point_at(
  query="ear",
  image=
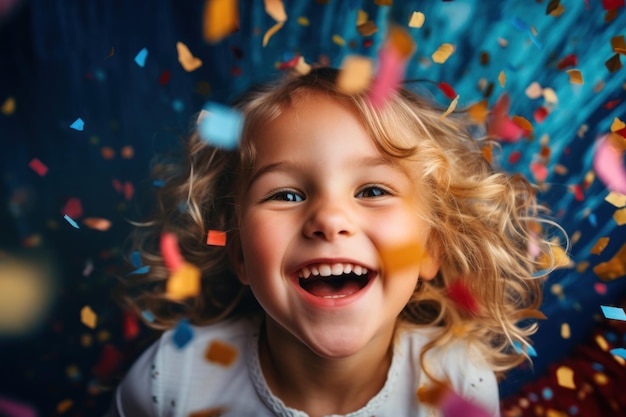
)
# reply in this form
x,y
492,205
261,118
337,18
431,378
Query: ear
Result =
x,y
430,265
235,254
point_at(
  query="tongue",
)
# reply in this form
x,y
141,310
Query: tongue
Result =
x,y
332,288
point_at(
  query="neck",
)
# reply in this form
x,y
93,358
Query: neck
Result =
x,y
321,386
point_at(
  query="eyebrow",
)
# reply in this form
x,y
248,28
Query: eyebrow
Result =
x,y
285,166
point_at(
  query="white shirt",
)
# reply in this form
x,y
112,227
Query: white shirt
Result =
x,y
167,381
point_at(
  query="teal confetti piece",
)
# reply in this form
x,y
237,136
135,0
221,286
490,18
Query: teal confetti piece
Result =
x,y
529,349
71,221
139,271
141,56
78,124
614,313
148,315
621,352
182,334
221,127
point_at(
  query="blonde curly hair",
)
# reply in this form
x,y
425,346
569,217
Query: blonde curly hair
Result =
x,y
483,221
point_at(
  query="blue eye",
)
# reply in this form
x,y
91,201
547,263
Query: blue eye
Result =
x,y
371,192
288,196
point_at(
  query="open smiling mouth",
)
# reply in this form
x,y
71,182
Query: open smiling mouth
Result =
x,y
333,280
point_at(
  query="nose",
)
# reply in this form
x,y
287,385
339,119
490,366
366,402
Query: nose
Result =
x,y
328,221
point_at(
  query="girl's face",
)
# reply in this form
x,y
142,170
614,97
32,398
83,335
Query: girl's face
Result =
x,y
321,218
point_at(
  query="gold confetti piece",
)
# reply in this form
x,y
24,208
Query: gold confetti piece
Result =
x,y
549,95
582,267
97,223
614,267
86,340
64,405
600,245
620,216
560,9
450,108
502,79
88,317
561,259
575,76
221,353
270,32
276,9
479,111
528,313
617,125
565,331
383,2
367,29
616,199
8,107
212,412
613,64
303,21
186,59
557,289
618,44
600,379
522,122
183,283
534,90
361,17
302,67
355,74
442,53
602,343
565,377
417,20
220,19
338,40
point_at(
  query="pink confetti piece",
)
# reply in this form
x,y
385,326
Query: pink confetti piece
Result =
x,y
500,124
608,165
170,252
539,171
12,408
38,166
390,73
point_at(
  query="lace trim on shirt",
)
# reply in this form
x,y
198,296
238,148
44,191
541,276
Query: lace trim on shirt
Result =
x,y
279,408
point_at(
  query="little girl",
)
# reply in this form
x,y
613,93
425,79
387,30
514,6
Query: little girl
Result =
x,y
374,261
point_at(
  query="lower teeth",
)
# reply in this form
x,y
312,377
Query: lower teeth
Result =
x,y
333,296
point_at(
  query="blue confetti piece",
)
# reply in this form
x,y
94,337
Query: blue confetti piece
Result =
x,y
71,221
596,366
221,127
142,270
529,349
519,24
141,56
182,334
614,313
533,397
547,393
621,352
135,259
78,124
148,315
178,106
593,220
533,38
573,410
158,183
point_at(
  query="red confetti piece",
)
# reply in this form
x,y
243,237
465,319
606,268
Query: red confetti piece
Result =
x,y
164,78
289,64
539,171
38,166
578,193
611,104
462,297
73,208
130,325
612,4
216,238
600,288
109,360
170,252
570,60
117,185
129,190
515,157
540,114
447,90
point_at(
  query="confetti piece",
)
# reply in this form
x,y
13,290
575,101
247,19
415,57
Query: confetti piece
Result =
x,y
130,325
614,267
13,408
170,252
570,60
523,123
71,221
129,190
500,126
8,107
447,90
391,66
183,282
303,21
221,126
78,124
540,114
216,238
616,199
220,19
88,269
276,9
575,76
552,6
450,108
221,353
565,331
620,216
368,28
417,20
139,271
88,317
108,362
39,167
621,352
614,313
97,223
608,165
183,333
600,245
534,90
338,40
64,405
107,153
617,125
502,79
613,64
383,2
73,208
462,297
355,74
612,4
528,349
442,53
270,32
479,111
140,58
187,60
127,152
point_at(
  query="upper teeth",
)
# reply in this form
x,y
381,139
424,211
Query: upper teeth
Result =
x,y
326,270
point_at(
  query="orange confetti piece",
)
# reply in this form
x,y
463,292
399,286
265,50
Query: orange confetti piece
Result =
x,y
88,317
620,217
127,152
442,53
8,107
479,111
618,44
617,125
276,9
614,267
185,57
368,28
270,32
220,19
523,123
565,377
221,353
64,405
575,76
107,153
400,40
216,238
502,79
600,245
170,252
417,20
450,108
97,223
355,74
184,282
383,2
